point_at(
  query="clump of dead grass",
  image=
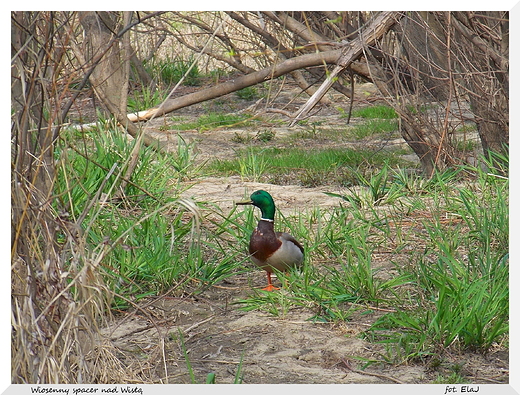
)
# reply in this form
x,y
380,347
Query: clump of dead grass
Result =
x,y
59,301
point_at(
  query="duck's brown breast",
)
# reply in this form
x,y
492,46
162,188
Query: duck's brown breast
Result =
x,y
263,242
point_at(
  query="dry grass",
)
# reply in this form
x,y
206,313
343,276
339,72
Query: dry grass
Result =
x,y
58,304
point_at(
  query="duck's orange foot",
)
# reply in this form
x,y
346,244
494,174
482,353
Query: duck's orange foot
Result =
x,y
270,288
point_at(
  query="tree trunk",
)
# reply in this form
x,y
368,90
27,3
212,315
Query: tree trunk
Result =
x,y
488,56
449,65
108,75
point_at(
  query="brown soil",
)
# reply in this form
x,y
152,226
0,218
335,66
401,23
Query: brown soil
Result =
x,y
274,350
286,349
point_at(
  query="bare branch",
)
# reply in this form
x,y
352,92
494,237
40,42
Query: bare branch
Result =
x,y
378,26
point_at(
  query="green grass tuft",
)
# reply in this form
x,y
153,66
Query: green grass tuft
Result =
x,y
147,239
375,112
248,93
215,120
172,70
373,127
317,167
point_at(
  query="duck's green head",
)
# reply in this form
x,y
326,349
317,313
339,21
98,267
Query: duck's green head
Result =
x,y
264,202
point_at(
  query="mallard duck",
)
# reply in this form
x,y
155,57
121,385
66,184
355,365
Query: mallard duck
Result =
x,y
271,250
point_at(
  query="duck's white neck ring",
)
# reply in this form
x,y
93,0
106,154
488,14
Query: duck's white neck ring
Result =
x,y
267,219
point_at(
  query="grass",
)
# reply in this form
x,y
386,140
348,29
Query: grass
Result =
x,y
443,280
183,160
453,378
450,294
214,120
378,119
459,281
377,189
171,70
151,238
373,127
248,93
317,167
375,112
146,98
252,166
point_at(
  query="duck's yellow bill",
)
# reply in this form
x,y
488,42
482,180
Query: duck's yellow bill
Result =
x,y
244,203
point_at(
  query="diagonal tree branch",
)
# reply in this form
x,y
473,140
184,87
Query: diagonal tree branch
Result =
x,y
376,28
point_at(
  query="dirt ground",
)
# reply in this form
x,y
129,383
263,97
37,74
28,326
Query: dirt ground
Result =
x,y
273,350
289,349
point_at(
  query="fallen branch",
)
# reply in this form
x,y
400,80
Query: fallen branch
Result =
x,y
308,60
381,376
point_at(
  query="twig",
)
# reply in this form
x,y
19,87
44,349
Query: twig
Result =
x,y
382,376
375,308
163,354
491,380
157,324
143,328
199,323
351,94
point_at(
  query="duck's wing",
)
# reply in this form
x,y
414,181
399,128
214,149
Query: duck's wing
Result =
x,y
288,237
